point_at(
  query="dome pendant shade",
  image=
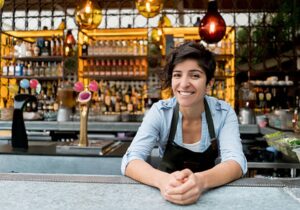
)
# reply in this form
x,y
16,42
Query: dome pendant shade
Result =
x,y
212,27
149,8
1,3
88,14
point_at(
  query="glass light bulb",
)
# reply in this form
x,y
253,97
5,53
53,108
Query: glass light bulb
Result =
x,y
212,27
149,8
88,14
1,3
156,36
164,21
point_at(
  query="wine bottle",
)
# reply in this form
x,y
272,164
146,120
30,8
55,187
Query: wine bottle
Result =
x,y
296,120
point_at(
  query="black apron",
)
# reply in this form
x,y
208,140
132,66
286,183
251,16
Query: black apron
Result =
x,y
178,158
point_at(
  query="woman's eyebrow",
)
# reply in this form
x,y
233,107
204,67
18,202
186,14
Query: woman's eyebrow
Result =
x,y
176,70
196,70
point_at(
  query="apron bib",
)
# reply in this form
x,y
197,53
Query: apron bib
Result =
x,y
178,158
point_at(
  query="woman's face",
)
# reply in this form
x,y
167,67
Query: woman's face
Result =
x,y
189,83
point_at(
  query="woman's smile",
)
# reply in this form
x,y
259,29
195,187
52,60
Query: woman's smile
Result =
x,y
186,93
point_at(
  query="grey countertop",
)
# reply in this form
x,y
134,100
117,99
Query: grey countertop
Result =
x,y
99,126
36,191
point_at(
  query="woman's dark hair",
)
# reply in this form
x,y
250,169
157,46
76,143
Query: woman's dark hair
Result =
x,y
189,50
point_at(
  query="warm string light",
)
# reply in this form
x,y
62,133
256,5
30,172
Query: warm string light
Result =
x,y
149,8
70,42
212,27
88,14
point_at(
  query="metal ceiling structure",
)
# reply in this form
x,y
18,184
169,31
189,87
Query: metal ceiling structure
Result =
x,y
224,5
271,29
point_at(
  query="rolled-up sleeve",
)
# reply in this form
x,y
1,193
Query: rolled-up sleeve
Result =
x,y
145,138
230,141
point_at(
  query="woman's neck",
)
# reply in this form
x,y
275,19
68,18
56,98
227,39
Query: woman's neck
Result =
x,y
192,113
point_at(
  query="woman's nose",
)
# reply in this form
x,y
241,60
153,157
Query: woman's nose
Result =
x,y
184,82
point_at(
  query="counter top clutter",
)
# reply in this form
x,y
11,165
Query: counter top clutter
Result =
x,y
118,192
287,143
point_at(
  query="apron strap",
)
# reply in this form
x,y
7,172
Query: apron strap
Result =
x,y
211,128
173,125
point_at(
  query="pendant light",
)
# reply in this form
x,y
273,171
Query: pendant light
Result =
x,y
149,8
212,27
164,21
1,3
69,44
88,14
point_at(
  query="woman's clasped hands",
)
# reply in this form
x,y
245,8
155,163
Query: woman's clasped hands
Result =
x,y
182,187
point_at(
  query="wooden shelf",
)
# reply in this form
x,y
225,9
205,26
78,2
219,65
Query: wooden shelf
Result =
x,y
32,77
273,86
224,77
31,36
35,58
134,78
98,57
7,57
221,57
117,34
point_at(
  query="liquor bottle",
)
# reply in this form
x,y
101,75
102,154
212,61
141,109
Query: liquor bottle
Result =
x,y
18,71
46,48
48,72
29,69
42,69
108,68
91,68
85,47
5,69
11,69
114,68
296,120
103,68
119,67
53,46
97,68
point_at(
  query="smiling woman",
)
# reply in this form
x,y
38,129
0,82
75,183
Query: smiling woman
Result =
x,y
198,136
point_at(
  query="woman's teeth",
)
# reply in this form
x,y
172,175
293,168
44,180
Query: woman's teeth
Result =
x,y
184,93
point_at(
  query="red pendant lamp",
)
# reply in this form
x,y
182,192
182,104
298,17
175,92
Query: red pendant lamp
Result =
x,y
212,27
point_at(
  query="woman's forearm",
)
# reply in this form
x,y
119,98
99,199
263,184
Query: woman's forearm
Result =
x,y
143,172
221,174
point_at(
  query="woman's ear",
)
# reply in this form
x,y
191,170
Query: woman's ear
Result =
x,y
210,85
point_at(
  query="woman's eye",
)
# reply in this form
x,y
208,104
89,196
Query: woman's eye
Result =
x,y
195,76
176,75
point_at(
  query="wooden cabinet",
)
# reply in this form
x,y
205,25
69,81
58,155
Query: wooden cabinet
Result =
x,y
113,54
30,55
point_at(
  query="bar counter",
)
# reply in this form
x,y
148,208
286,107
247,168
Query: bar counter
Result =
x,y
37,191
98,126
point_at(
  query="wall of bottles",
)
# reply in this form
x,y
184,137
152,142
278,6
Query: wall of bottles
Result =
x,y
126,68
115,47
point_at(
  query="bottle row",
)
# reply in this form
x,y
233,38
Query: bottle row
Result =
x,y
224,46
38,69
115,47
218,90
115,67
265,100
42,47
112,97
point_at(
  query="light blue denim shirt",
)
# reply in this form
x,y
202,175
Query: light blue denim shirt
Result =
x,y
155,129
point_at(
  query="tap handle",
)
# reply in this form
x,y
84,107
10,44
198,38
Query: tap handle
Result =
x,y
18,137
